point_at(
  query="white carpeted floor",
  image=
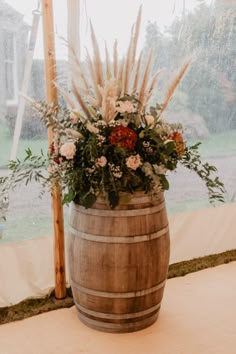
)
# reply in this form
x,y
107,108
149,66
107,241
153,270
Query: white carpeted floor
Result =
x,y
198,316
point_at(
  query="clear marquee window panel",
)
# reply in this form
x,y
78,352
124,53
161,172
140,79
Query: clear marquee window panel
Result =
x,y
9,60
8,39
204,103
9,80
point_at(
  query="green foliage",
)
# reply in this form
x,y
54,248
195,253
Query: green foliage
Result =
x,y
93,158
31,168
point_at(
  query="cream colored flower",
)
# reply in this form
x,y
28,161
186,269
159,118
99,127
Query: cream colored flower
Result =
x,y
141,134
150,120
160,169
109,93
133,161
168,141
91,128
147,169
157,187
68,150
125,106
73,133
101,161
73,117
123,122
118,174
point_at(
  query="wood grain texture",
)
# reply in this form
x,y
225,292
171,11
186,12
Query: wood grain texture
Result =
x,y
118,264
51,93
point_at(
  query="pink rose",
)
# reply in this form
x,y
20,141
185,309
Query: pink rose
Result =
x,y
68,150
133,161
101,161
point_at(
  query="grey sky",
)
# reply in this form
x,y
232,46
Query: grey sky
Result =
x,y
111,19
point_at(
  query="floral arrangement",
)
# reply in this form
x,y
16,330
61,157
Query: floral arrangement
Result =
x,y
108,141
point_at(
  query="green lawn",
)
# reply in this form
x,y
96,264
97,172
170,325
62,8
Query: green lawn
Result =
x,y
218,145
26,228
182,206
6,145
19,229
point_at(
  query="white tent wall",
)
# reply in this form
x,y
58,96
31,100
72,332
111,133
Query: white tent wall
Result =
x,y
206,102
26,267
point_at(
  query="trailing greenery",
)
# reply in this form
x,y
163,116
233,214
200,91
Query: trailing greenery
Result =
x,y
93,158
192,161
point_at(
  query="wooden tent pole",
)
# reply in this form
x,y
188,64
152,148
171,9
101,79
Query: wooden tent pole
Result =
x,y
51,94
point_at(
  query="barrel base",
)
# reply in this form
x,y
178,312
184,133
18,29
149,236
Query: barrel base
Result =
x,y
118,327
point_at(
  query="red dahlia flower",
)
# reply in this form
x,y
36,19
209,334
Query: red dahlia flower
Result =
x,y
124,137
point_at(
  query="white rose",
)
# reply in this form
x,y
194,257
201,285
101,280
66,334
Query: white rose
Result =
x,y
147,169
133,161
73,133
73,117
160,169
150,120
68,150
101,161
125,106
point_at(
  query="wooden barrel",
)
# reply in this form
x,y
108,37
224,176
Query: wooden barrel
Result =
x,y
118,262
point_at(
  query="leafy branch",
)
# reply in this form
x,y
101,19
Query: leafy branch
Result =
x,y
191,160
32,168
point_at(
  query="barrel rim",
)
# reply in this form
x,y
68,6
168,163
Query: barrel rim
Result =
x,y
118,316
118,213
118,295
126,199
110,327
119,239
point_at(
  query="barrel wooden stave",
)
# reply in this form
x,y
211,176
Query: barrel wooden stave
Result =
x,y
121,267
118,305
119,226
118,282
